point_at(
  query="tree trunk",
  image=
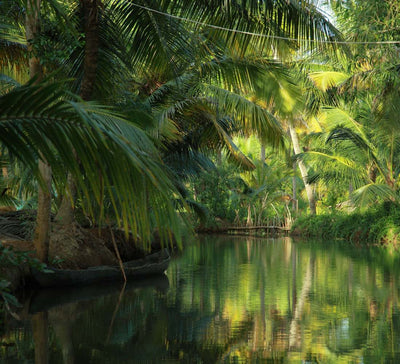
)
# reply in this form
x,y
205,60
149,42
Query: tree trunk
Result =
x,y
65,215
303,170
249,221
92,43
42,230
43,219
32,26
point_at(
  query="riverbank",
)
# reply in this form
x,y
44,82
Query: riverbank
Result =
x,y
94,248
377,226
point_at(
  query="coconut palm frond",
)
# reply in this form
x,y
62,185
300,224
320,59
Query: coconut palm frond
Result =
x,y
291,19
369,194
38,122
199,209
113,63
252,116
206,130
334,116
155,41
257,78
234,154
186,162
362,143
328,79
333,168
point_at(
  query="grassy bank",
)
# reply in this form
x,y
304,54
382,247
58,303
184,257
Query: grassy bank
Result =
x,y
379,225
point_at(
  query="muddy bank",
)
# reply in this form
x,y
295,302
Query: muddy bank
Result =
x,y
75,248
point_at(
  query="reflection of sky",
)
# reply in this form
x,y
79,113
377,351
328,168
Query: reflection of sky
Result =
x,y
343,330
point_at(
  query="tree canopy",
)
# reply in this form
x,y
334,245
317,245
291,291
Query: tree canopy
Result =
x,y
133,104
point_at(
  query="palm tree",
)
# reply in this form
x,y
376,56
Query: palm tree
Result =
x,y
141,29
358,146
47,125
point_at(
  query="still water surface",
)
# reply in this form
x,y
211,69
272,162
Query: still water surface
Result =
x,y
225,300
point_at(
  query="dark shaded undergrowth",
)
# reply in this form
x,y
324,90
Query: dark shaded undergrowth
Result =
x,y
379,225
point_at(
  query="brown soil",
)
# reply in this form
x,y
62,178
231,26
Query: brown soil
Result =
x,y
70,247
78,248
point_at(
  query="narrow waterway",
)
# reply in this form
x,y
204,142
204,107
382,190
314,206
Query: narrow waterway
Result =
x,y
224,300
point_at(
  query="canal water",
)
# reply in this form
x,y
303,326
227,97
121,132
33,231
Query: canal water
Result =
x,y
224,300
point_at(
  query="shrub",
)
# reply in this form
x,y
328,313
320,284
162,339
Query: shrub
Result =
x,y
376,226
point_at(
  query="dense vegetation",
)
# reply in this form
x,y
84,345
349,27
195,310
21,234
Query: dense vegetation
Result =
x,y
157,117
117,114
379,225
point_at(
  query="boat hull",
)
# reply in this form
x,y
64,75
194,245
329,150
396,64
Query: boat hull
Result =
x,y
153,264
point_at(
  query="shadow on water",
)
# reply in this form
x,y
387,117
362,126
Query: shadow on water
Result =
x,y
225,300
48,298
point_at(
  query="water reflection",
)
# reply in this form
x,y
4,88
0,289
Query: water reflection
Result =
x,y
226,300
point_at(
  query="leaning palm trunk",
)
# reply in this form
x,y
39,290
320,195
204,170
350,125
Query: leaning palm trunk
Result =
x,y
303,170
42,230
294,190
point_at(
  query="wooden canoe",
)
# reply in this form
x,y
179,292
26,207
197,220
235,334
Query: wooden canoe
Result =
x,y
153,264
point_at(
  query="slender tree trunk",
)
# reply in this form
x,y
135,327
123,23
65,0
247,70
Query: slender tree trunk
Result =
x,y
262,153
42,230
249,221
32,26
65,215
43,219
294,189
303,170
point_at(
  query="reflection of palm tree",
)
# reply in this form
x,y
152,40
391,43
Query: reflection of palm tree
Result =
x,y
294,336
64,333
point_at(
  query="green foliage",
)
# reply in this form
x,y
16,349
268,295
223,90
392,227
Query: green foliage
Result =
x,y
380,225
253,198
40,121
215,189
44,47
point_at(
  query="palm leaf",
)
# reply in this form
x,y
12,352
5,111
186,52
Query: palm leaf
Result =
x,y
253,117
328,79
369,194
37,121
